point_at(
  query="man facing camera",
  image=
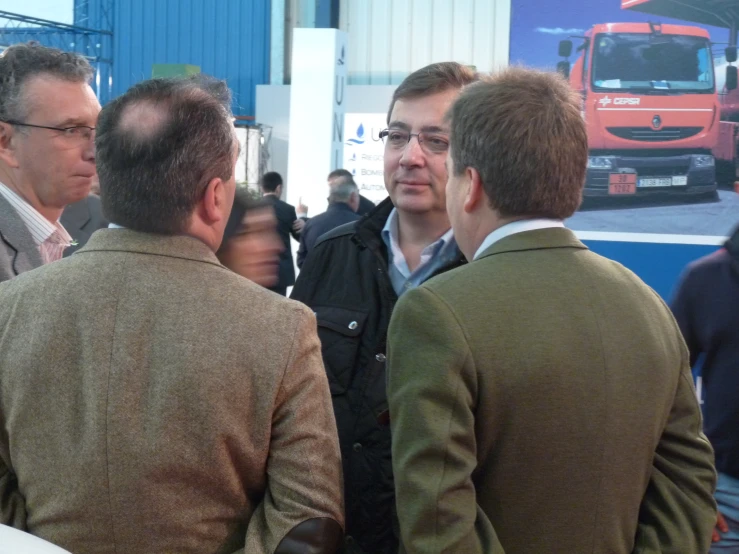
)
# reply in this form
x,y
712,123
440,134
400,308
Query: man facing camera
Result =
x,y
160,410
541,399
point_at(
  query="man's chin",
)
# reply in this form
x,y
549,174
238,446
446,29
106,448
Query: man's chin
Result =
x,y
413,205
78,192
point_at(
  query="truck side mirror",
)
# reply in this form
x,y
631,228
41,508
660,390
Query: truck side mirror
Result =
x,y
731,52
731,78
565,48
564,69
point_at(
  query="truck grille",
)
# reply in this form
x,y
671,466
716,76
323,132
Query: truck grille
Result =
x,y
647,134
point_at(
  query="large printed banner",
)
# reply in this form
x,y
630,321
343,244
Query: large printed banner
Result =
x,y
663,155
363,153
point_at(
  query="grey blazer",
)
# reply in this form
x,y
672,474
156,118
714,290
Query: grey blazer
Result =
x,y
81,220
18,252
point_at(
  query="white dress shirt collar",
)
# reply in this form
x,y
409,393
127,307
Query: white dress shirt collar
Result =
x,y
514,228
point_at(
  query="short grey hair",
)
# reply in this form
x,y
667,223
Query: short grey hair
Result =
x,y
342,192
157,148
21,62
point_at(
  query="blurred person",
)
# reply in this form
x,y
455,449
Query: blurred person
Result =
x,y
706,306
288,225
541,399
356,273
340,175
48,113
81,219
343,202
160,410
251,246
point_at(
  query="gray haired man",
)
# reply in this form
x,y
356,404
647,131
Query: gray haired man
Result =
x,y
343,203
48,114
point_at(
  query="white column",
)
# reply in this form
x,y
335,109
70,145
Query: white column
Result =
x,y
317,106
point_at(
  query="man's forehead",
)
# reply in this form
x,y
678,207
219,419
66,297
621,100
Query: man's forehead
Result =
x,y
61,100
425,113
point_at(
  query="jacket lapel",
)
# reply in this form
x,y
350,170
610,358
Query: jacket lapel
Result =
x,y
74,218
16,235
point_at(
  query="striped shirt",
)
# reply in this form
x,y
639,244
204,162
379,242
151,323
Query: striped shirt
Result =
x,y
51,238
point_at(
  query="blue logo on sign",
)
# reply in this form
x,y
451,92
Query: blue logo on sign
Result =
x,y
359,139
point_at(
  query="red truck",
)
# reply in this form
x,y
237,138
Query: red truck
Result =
x,y
651,107
722,14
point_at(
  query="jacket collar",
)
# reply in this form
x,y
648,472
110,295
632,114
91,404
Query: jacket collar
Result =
x,y
76,216
14,233
540,239
732,245
368,230
170,246
340,207
368,233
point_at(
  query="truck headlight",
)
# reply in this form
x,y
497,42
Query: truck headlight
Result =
x,y
599,163
703,160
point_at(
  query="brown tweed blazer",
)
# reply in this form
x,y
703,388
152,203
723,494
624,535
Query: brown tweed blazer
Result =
x,y
152,401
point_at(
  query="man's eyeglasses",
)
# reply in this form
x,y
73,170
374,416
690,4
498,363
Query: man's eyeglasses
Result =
x,y
79,134
431,143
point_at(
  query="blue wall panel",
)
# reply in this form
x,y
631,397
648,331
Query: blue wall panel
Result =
x,y
228,39
658,265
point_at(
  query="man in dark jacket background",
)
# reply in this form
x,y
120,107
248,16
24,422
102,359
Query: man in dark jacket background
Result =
x,y
356,273
706,306
288,225
343,202
338,176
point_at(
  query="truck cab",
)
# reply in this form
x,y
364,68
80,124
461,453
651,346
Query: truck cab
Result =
x,y
651,107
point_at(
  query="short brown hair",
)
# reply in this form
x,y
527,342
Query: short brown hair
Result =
x,y
154,170
524,133
433,79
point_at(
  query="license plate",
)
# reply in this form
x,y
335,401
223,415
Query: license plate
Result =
x,y
656,182
622,183
680,181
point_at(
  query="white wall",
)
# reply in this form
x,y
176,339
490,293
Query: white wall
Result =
x,y
273,109
389,39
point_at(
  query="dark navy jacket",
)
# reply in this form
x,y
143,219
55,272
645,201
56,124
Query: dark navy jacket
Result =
x,y
706,307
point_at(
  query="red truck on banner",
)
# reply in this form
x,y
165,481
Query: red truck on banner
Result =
x,y
653,107
722,14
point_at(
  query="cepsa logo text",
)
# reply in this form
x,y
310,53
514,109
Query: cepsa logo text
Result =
x,y
619,101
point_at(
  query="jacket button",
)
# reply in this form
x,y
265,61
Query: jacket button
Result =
x,y
357,447
349,539
353,325
380,358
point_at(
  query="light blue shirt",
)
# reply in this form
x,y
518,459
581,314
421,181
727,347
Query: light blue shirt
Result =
x,y
435,256
516,227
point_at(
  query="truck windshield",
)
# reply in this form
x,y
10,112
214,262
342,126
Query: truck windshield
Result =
x,y
659,63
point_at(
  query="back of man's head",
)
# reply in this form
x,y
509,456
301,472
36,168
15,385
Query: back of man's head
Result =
x,y
336,173
270,181
522,130
342,191
158,147
433,79
21,62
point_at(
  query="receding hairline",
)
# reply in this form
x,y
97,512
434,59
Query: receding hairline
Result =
x,y
28,96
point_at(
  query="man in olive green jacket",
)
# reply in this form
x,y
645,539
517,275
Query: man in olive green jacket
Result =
x,y
541,399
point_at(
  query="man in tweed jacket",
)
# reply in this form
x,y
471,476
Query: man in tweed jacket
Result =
x,y
151,400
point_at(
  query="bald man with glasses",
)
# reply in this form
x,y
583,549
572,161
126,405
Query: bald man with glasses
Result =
x,y
48,113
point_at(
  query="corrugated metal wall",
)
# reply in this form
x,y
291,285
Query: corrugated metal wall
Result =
x,y
228,39
388,39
